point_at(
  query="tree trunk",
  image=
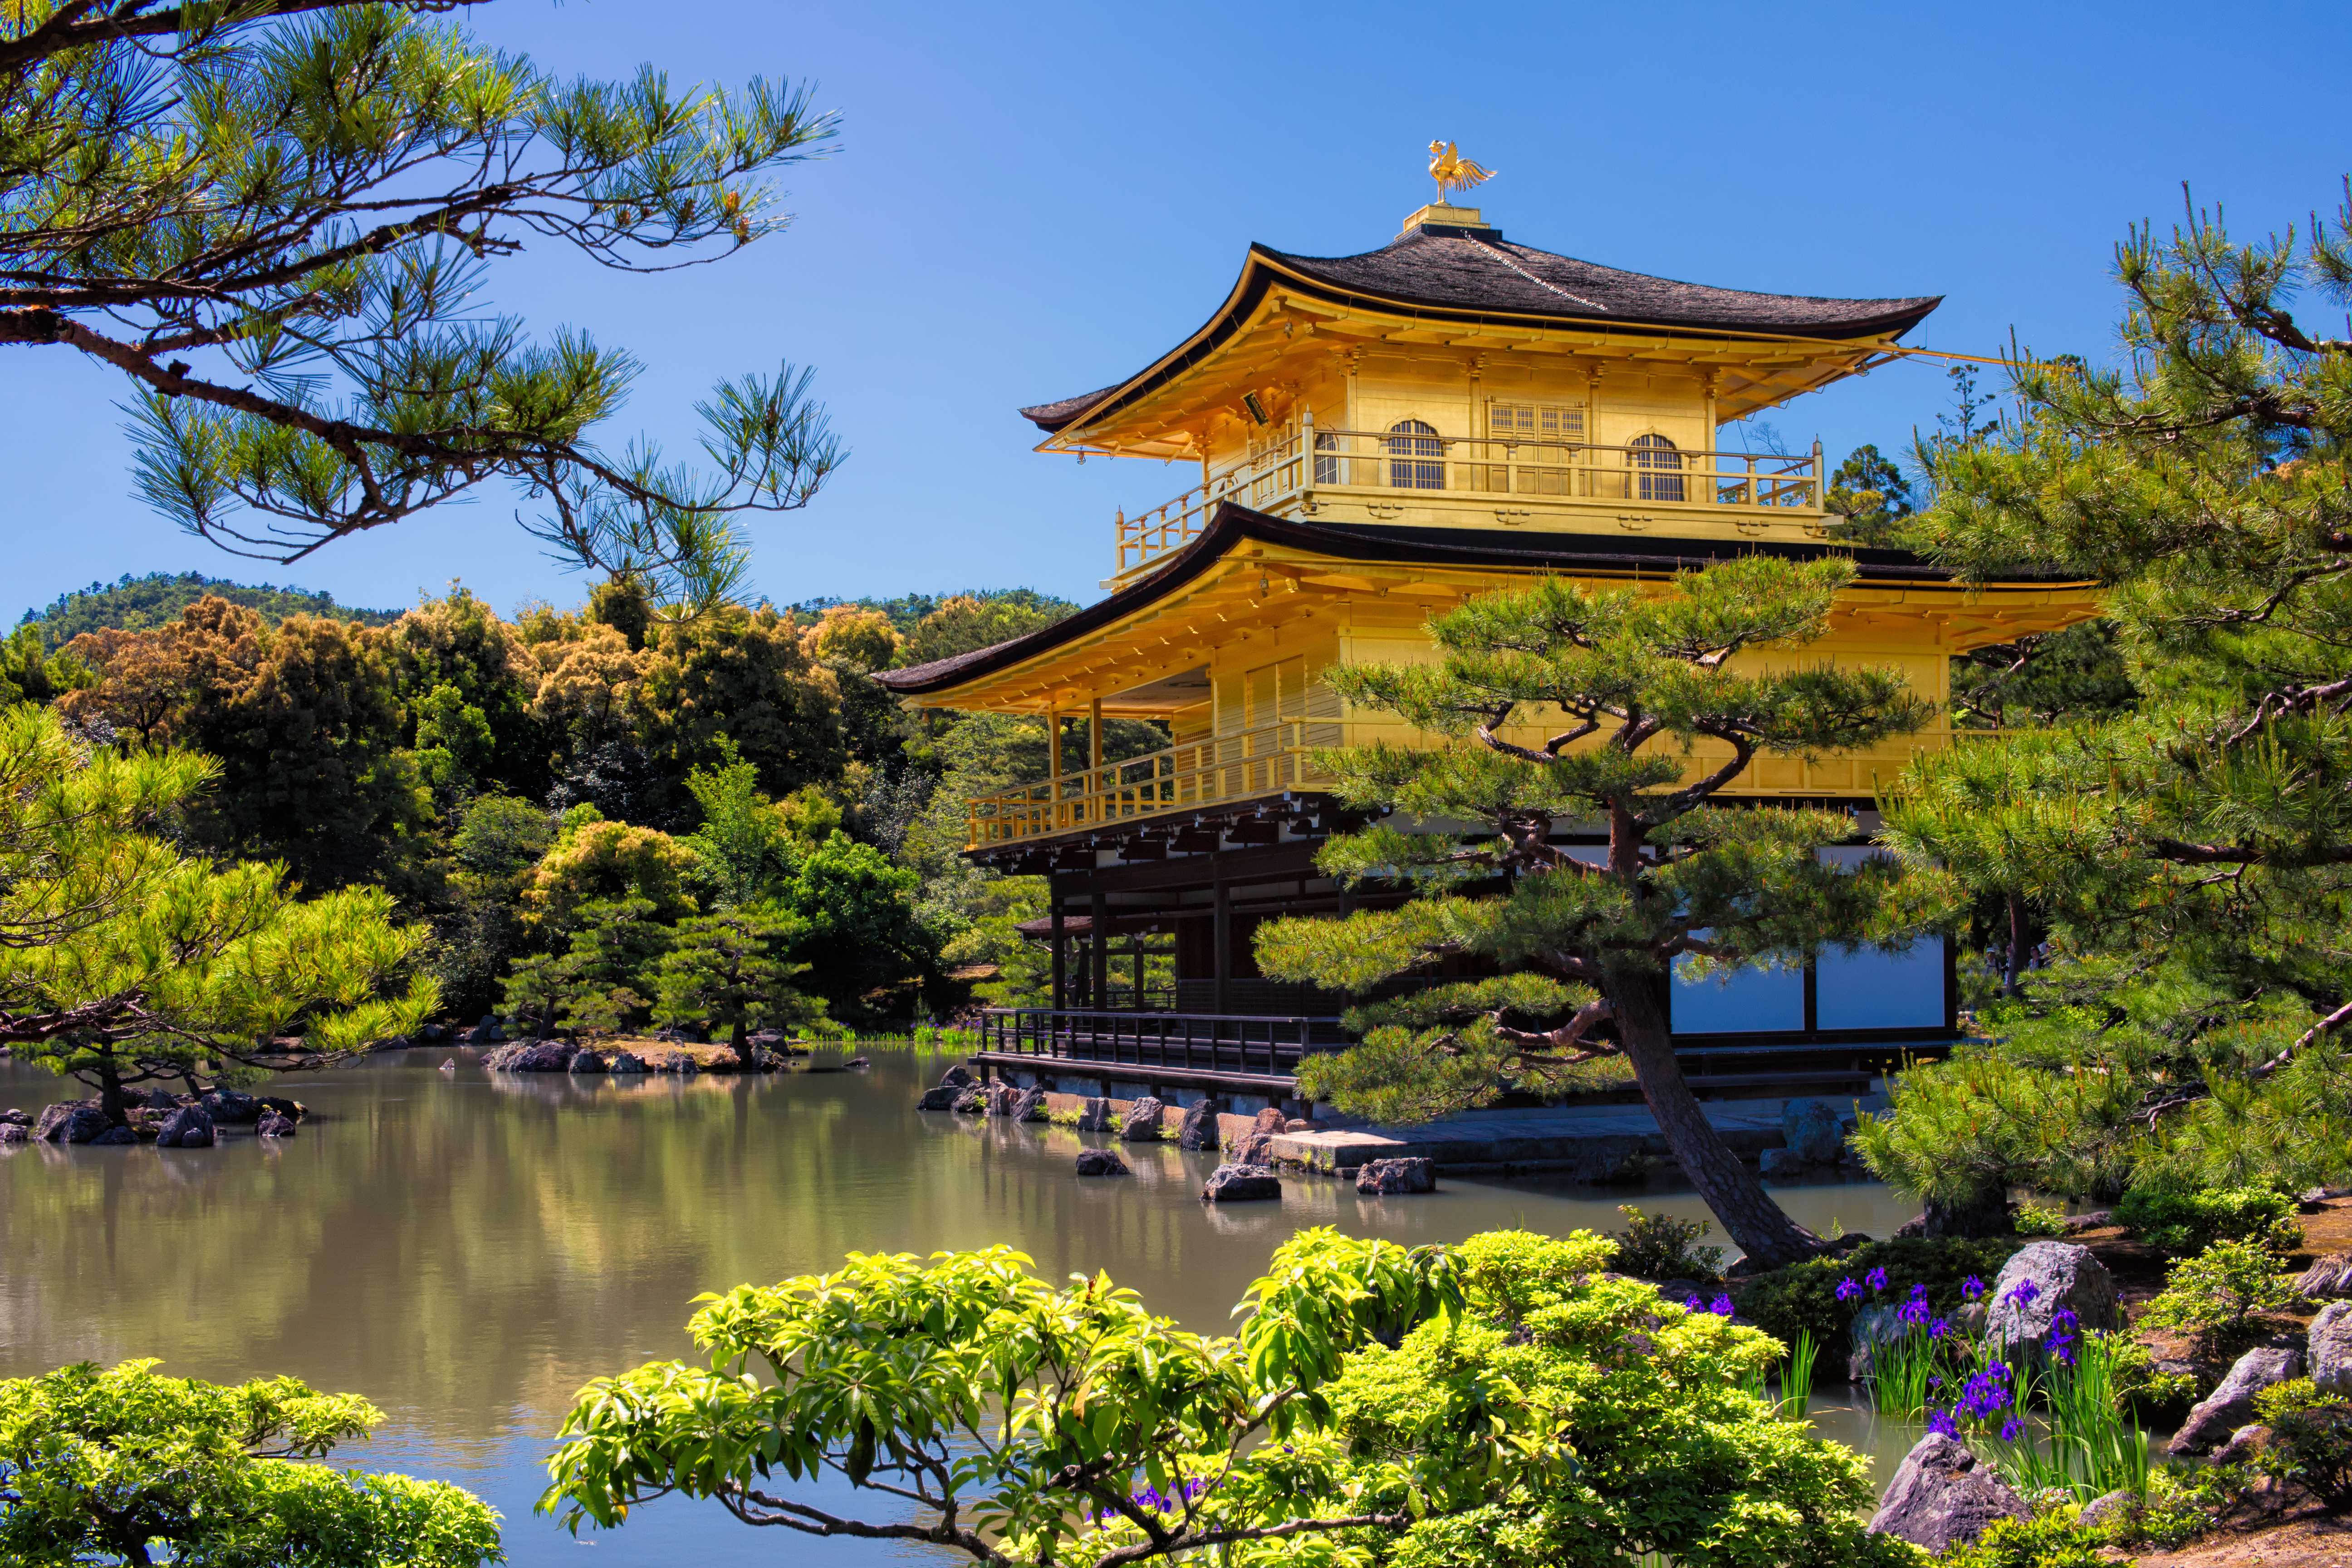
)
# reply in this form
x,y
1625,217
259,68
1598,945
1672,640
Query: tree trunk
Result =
x,y
110,1090
1729,1187
1986,1215
2009,987
741,1042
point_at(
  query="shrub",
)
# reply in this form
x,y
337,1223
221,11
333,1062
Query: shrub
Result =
x,y
2033,1219
2146,1392
2182,1222
2179,1505
2220,1296
2045,1540
2311,1439
1658,1247
1805,1297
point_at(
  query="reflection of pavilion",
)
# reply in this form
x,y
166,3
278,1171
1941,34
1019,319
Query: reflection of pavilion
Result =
x,y
1379,437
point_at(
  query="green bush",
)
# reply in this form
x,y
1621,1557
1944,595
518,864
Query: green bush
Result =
x,y
2221,1297
2045,1540
1659,1247
2033,1219
2182,1222
2181,1504
2311,1439
2146,1392
1804,1297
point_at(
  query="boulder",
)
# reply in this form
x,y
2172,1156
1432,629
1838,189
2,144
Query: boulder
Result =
x,y
943,1098
2036,1282
1101,1163
957,1077
1810,1129
273,1125
1783,1162
2243,1445
15,1132
973,1102
71,1121
1028,1105
21,1118
1002,1098
627,1061
1256,1146
1142,1123
1386,1178
858,1062
2110,1508
531,1055
161,1100
186,1128
2330,1280
1298,1124
1095,1115
1943,1498
1198,1128
2330,1347
118,1133
448,1064
1241,1183
230,1108
1873,1327
2231,1406
586,1061
292,1110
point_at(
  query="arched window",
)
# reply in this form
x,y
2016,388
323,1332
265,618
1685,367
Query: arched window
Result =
x,y
1415,456
1657,468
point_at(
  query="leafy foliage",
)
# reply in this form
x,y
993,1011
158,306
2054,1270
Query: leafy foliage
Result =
x,y
2221,1297
731,972
2184,1221
2311,1439
1805,1299
106,1465
1660,1246
2044,1540
142,604
1496,1403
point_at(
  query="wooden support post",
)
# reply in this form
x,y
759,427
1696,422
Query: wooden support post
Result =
x,y
1095,789
1053,901
1135,946
1099,950
1222,938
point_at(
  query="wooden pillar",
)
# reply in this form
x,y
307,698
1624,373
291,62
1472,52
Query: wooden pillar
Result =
x,y
1054,899
1136,947
1094,755
1222,941
1098,951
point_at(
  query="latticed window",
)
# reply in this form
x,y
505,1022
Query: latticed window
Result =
x,y
1657,466
1537,421
1327,470
1415,456
1540,439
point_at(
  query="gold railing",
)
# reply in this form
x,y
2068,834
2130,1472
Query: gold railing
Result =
x,y
1279,756
1264,760
1500,469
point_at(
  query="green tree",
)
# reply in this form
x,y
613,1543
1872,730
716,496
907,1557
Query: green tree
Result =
x,y
30,673
129,962
855,923
142,604
614,954
275,221
101,1465
1682,887
1500,1404
1870,492
744,844
731,972
536,989
2191,854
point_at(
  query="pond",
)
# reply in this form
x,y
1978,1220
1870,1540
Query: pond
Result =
x,y
466,1249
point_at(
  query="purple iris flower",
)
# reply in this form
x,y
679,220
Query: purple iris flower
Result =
x,y
1720,1306
2011,1430
2064,1320
1998,1371
1694,1305
2022,1294
1941,1421
1939,1328
1913,1312
1876,1280
2064,1350
1971,1287
1847,1289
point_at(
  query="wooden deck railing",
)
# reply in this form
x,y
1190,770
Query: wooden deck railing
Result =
x,y
1186,1042
1752,487
1239,766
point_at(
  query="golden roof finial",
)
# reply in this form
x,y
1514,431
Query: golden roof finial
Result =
x,y
1453,172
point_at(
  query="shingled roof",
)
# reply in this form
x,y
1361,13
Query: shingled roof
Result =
x,y
1474,275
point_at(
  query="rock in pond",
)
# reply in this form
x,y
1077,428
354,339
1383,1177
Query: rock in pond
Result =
x,y
1141,1124
231,1108
1198,1128
273,1125
2231,1406
531,1055
1257,1147
2330,1347
1102,1163
21,1118
957,1077
1943,1498
1094,1116
1028,1105
71,1121
627,1061
973,1102
448,1064
1873,1327
186,1128
1390,1178
1810,1130
2330,1280
943,1098
586,1061
2040,1280
116,1134
15,1132
1241,1183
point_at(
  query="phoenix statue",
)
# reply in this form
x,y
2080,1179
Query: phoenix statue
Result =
x,y
1451,171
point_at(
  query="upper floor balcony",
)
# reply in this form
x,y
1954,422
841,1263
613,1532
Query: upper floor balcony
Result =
x,y
1409,473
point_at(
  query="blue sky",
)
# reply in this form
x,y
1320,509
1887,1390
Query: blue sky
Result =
x,y
1029,202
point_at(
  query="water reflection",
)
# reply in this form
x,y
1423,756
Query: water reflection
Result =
x,y
467,1250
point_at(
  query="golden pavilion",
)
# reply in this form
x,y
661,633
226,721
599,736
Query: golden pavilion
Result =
x,y
1378,437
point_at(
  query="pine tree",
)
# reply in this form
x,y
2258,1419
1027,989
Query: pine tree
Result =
x,y
1642,674
731,971
2193,855
612,957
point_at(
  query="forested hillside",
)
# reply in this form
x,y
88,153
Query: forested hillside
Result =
x,y
135,603
526,788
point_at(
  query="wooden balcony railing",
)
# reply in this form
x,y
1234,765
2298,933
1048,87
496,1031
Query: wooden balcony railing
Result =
x,y
1751,488
1264,760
